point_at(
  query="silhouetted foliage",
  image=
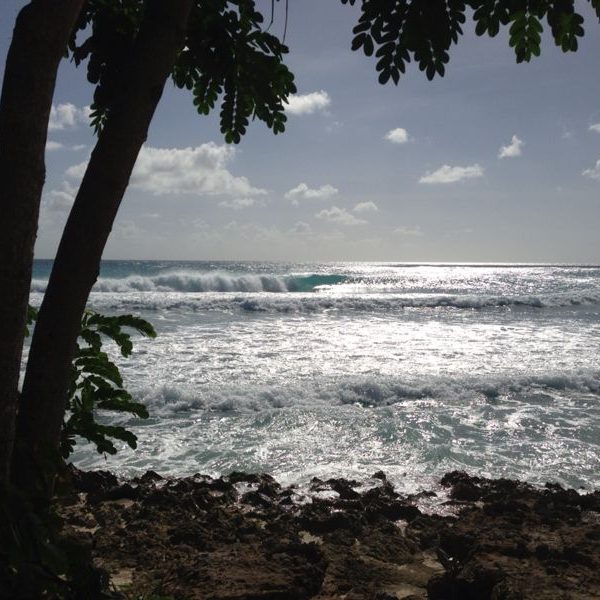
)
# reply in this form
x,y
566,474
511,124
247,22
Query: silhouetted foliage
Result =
x,y
97,384
228,55
400,31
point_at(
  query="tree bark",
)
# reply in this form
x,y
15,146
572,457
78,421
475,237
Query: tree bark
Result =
x,y
39,41
77,263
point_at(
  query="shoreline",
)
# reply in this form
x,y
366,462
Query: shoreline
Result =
x,y
245,537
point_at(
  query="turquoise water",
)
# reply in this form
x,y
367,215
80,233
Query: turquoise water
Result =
x,y
348,368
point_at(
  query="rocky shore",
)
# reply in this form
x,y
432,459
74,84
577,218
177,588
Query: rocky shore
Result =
x,y
245,537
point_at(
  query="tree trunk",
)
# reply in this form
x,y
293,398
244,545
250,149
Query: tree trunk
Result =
x,y
39,41
77,263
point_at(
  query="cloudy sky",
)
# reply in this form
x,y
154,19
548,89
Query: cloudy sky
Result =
x,y
494,162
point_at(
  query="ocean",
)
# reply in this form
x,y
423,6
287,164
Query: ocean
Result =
x,y
344,369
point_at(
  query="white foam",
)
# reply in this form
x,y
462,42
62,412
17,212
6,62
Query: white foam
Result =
x,y
365,392
317,302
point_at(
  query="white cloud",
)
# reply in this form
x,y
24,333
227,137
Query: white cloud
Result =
x,y
51,145
594,172
595,127
302,191
448,174
67,116
197,171
397,136
409,231
512,150
61,199
307,104
240,203
77,171
363,207
339,215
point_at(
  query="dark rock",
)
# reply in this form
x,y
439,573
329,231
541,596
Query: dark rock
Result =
x,y
465,491
93,482
344,488
257,499
456,545
397,511
240,477
123,492
149,477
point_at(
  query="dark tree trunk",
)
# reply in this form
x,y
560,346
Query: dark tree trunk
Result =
x,y
39,42
77,263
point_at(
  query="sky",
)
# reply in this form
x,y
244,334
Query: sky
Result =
x,y
495,162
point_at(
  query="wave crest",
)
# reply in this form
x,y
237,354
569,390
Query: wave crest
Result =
x,y
208,282
319,303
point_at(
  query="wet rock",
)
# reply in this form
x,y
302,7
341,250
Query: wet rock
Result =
x,y
257,499
149,477
195,538
93,482
123,492
465,491
344,488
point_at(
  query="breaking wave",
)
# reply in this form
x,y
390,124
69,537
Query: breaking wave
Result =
x,y
209,282
542,390
326,302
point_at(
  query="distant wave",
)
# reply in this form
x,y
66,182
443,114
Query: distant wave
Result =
x,y
317,303
209,282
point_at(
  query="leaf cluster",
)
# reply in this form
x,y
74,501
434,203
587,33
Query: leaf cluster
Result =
x,y
228,59
401,31
111,27
96,382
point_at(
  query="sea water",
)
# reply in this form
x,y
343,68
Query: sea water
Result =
x,y
334,369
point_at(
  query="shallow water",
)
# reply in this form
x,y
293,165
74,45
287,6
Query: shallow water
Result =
x,y
348,368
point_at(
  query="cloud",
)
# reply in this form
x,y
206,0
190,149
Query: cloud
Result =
x,y
199,171
594,172
51,145
363,207
61,199
302,191
397,136
67,116
409,231
595,127
307,104
77,171
339,215
448,174
240,203
512,150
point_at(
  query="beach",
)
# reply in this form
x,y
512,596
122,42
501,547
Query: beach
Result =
x,y
373,431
